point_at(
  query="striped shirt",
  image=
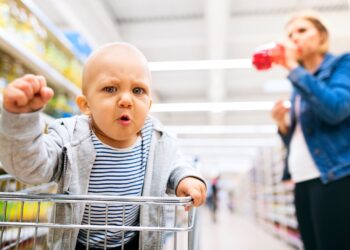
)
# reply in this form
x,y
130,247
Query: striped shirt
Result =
x,y
116,172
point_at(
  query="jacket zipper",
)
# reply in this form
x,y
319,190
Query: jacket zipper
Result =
x,y
64,160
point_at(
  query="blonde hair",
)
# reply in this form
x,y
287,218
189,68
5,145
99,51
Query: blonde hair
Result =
x,y
314,18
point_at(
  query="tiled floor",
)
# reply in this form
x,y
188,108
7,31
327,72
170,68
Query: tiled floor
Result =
x,y
234,232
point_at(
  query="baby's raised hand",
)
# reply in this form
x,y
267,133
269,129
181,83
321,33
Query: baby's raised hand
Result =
x,y
193,187
26,94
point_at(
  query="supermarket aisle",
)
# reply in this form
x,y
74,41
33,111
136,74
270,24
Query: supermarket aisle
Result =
x,y
234,232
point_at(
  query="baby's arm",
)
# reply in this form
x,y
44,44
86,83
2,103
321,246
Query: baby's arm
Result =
x,y
23,151
185,180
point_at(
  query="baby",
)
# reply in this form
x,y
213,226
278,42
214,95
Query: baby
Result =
x,y
114,148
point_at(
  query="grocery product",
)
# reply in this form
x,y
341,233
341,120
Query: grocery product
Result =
x,y
267,54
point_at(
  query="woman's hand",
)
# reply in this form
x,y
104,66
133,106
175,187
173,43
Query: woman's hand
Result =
x,y
291,55
279,112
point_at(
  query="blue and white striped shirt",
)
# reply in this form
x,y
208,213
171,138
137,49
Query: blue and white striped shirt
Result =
x,y
116,172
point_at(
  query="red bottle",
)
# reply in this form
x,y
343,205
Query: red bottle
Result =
x,y
267,54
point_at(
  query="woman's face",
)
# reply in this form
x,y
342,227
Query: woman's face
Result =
x,y
306,37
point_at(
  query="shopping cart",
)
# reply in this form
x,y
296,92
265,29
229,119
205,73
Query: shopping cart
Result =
x,y
27,213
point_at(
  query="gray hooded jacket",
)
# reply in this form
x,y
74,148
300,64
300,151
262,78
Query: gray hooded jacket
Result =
x,y
66,155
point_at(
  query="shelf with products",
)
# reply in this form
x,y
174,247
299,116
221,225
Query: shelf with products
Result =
x,y
25,57
282,219
35,39
273,199
290,236
63,102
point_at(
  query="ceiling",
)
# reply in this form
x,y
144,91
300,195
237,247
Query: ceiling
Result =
x,y
182,30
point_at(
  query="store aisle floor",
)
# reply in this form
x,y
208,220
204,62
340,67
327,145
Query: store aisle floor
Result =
x,y
234,232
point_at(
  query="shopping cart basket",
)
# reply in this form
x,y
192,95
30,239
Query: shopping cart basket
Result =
x,y
27,214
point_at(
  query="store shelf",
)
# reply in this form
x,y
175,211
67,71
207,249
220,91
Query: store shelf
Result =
x,y
283,233
51,27
273,200
283,220
13,238
15,49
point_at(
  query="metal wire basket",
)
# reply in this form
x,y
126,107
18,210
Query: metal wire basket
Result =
x,y
28,212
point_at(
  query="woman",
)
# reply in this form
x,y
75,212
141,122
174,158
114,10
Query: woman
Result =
x,y
318,136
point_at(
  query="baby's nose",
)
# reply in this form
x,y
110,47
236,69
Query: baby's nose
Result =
x,y
125,100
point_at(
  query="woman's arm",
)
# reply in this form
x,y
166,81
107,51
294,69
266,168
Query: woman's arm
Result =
x,y
330,100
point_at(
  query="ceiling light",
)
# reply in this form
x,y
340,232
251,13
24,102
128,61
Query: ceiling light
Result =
x,y
277,86
223,143
243,63
233,129
212,106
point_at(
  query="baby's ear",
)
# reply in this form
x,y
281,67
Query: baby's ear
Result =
x,y
83,104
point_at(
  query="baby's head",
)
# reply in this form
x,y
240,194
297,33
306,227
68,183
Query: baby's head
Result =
x,y
116,93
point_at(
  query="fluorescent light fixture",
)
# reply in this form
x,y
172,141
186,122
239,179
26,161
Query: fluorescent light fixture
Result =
x,y
235,166
223,143
212,106
277,86
233,129
221,151
243,63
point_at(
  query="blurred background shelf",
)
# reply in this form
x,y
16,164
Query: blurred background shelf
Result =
x,y
20,53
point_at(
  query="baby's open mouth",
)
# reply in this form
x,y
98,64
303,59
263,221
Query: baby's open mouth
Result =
x,y
124,118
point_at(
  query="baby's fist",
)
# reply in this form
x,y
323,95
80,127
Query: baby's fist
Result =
x,y
193,187
26,94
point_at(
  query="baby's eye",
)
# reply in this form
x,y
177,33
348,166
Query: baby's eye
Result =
x,y
301,30
110,89
138,91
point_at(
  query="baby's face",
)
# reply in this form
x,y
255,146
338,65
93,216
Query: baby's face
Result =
x,y
118,97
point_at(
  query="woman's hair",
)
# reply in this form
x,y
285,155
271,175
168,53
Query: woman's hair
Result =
x,y
313,18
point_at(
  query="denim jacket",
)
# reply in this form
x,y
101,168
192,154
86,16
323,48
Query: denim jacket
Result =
x,y
324,115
